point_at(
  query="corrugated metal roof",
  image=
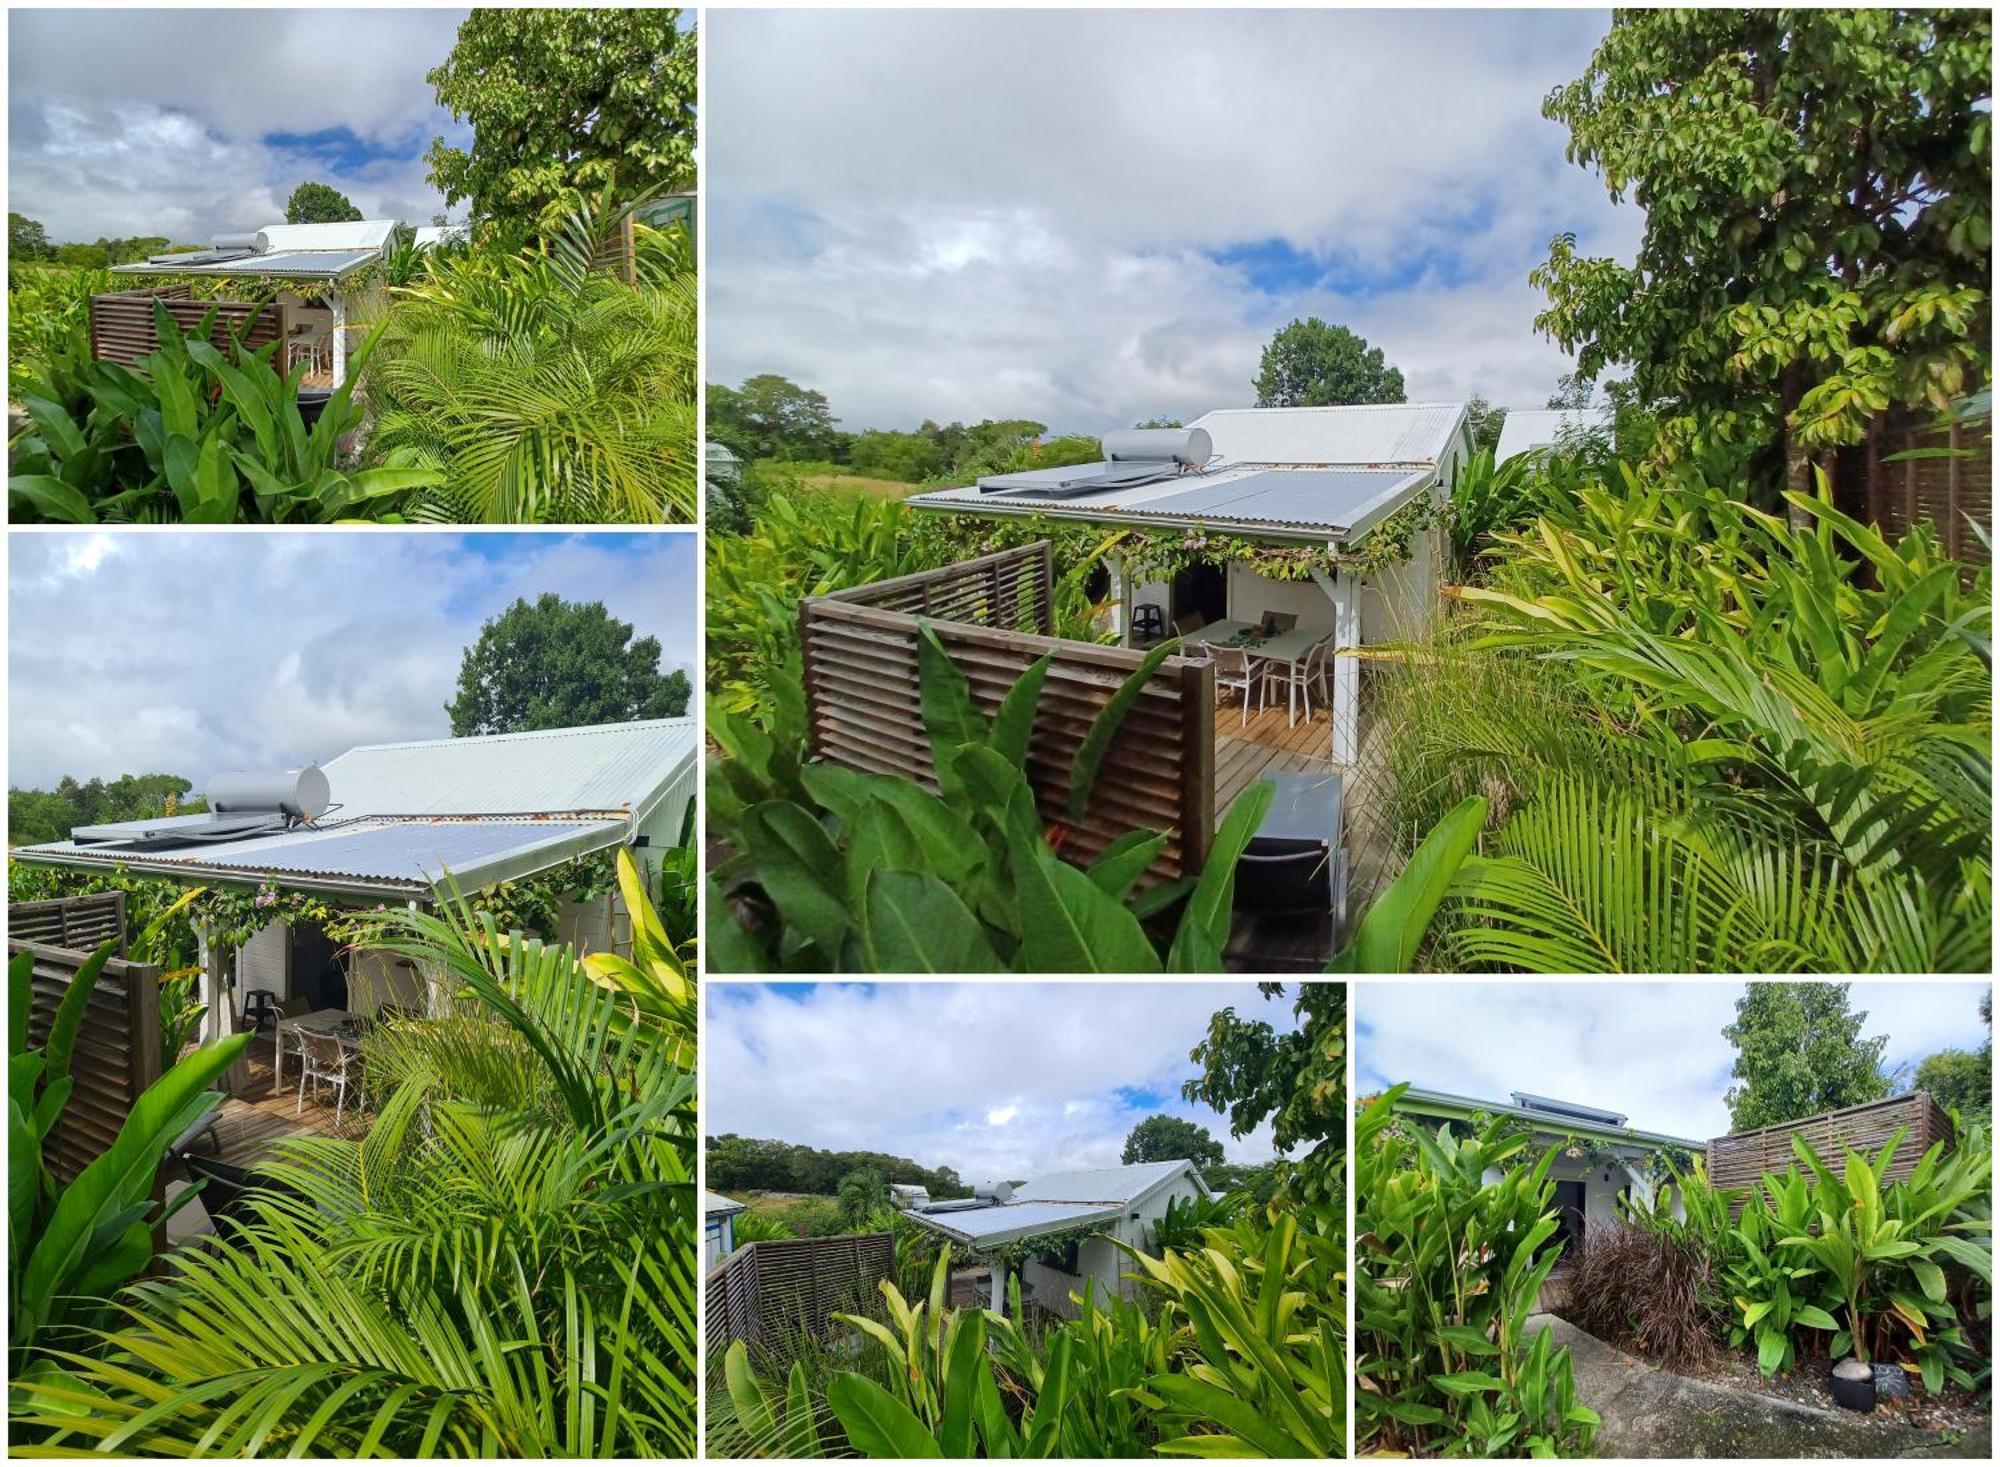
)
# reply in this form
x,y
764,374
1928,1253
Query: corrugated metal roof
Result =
x,y
1120,1184
1523,432
989,1227
1355,434
283,264
609,766
1416,1098
411,854
713,1203
1278,502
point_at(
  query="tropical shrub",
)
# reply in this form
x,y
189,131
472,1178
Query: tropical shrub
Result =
x,y
1648,1291
1448,1269
70,1244
875,873
478,1276
543,385
48,321
192,435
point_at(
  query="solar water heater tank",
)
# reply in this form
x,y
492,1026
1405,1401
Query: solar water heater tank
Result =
x,y
302,794
1190,446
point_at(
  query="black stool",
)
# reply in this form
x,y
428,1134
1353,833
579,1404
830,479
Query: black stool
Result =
x,y
260,1008
1149,621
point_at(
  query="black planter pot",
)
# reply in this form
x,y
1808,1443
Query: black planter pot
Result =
x,y
1853,1386
312,402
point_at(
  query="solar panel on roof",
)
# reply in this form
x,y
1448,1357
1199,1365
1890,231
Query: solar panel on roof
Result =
x,y
1063,483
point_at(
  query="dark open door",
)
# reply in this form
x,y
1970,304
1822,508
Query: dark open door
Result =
x,y
1201,588
1569,1217
319,967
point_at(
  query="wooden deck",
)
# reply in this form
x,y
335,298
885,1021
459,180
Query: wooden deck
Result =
x,y
249,1122
1245,753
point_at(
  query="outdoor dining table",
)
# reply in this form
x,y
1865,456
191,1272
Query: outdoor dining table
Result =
x,y
335,1023
1290,648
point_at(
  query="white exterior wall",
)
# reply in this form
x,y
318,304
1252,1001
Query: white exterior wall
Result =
x,y
264,962
1098,1260
1251,595
375,978
1397,603
718,1241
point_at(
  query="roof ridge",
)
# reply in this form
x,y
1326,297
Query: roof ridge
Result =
x,y
577,731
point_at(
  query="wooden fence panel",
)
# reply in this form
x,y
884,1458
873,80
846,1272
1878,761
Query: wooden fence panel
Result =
x,y
864,702
80,922
773,1294
1738,1162
122,328
1951,492
117,1052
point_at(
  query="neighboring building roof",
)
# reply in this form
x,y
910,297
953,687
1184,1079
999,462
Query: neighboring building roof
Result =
x,y
714,1204
483,809
1357,433
1566,1121
288,251
1054,1204
1526,430
1311,474
429,236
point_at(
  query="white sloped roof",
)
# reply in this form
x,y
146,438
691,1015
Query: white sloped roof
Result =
x,y
1123,1184
1413,433
714,1204
1055,1203
1532,428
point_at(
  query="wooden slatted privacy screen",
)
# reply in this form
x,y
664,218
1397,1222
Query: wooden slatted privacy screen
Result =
x,y
117,1049
993,616
1950,492
122,328
1737,1162
773,1294
79,923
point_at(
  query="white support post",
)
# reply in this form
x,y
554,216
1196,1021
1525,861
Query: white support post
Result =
x,y
337,303
998,1301
1120,598
1344,591
218,1021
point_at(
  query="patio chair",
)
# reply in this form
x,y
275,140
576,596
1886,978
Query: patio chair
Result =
x,y
1304,675
1188,621
329,1062
295,1007
1299,879
226,1189
1235,669
1274,622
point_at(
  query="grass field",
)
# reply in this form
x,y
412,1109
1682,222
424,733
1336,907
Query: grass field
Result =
x,y
860,484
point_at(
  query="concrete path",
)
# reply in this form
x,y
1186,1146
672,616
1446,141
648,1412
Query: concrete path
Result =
x,y
1649,1412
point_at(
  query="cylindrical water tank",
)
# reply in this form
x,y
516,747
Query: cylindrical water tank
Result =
x,y
301,793
1189,446
235,241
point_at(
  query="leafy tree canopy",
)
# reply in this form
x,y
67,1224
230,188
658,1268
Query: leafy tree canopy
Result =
x,y
1296,1080
742,1162
862,1193
1313,364
564,104
1169,1138
319,203
1818,195
772,417
1799,1052
560,664
36,816
27,239
1959,1079
1483,422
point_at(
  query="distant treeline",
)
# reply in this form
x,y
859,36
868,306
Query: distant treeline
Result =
x,y
28,241
35,816
743,1163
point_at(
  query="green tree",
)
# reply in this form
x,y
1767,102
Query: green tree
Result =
x,y
1313,364
561,664
1483,422
862,1193
1169,1138
319,203
1817,187
27,239
1296,1079
1962,1079
1160,423
1799,1052
564,104
772,417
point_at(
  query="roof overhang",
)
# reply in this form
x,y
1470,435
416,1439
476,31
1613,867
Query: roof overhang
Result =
x,y
337,266
1035,1220
1441,1105
1113,510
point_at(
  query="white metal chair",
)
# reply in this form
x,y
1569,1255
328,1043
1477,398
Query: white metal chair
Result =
x,y
1304,675
1234,669
328,1061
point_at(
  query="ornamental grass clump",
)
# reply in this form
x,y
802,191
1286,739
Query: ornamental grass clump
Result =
x,y
1647,1291
1448,1268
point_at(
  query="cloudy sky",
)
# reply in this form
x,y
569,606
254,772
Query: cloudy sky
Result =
x,y
994,1079
1089,218
191,654
1652,1051
190,123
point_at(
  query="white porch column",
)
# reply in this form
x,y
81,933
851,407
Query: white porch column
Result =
x,y
998,1302
218,1022
1344,591
337,303
1121,596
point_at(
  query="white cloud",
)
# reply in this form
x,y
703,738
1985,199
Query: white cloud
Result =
x,y
195,653
972,213
997,1079
1653,1052
129,122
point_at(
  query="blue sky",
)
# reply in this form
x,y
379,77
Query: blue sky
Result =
x,y
189,653
190,123
1006,1079
1093,217
1651,1051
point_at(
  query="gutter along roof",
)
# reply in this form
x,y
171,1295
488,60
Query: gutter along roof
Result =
x,y
484,810
1445,1106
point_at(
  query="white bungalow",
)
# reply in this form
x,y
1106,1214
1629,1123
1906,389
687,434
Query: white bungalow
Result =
x,y
1321,477
718,1228
1090,1209
385,824
1600,1159
320,265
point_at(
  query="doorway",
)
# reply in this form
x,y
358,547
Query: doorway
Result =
x,y
319,968
1569,1217
1200,590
